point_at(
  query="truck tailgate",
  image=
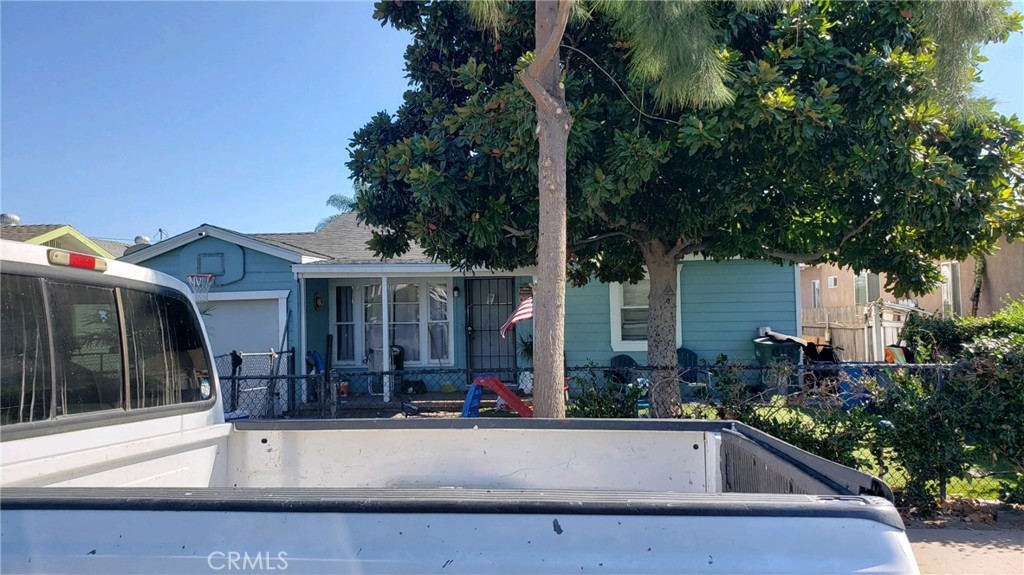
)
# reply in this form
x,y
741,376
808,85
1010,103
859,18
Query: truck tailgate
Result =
x,y
447,530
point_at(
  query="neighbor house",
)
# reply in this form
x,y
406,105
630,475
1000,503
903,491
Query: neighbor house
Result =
x,y
855,312
326,292
60,236
829,286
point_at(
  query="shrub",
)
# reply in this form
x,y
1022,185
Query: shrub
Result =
x,y
835,434
924,431
953,338
603,399
982,401
813,423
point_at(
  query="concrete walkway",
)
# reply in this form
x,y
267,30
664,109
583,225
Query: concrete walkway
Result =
x,y
968,552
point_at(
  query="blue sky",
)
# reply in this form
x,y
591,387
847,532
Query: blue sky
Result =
x,y
126,118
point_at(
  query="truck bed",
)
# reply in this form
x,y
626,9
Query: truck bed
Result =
x,y
455,496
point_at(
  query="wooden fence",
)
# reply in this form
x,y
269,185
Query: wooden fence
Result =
x,y
852,328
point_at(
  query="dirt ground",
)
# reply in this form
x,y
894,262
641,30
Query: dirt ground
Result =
x,y
971,514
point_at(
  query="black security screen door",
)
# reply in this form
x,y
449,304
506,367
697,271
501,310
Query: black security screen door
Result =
x,y
489,304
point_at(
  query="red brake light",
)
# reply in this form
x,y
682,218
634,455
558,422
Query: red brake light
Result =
x,y
71,259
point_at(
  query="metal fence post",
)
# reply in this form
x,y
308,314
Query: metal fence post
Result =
x,y
269,407
334,394
292,390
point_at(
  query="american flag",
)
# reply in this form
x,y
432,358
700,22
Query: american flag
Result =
x,y
524,311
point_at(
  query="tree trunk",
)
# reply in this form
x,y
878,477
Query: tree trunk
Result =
x,y
543,79
661,329
979,282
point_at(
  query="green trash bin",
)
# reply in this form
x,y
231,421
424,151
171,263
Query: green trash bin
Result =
x,y
767,349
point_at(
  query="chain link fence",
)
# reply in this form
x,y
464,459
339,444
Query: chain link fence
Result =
x,y
907,424
929,430
255,384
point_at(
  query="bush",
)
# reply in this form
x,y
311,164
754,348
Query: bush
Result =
x,y
835,434
813,423
982,402
604,399
988,394
1012,491
925,433
953,338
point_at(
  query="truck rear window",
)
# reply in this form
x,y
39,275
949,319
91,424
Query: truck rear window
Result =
x,y
69,349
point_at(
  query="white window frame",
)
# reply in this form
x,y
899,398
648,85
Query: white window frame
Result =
x,y
615,304
358,293
833,282
949,289
815,293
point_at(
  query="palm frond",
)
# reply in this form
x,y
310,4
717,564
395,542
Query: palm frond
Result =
x,y
957,28
344,204
580,13
759,5
673,45
326,222
488,14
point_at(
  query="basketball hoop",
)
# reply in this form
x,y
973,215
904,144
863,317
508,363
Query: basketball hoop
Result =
x,y
200,285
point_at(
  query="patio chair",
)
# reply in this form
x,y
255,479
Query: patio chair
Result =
x,y
693,379
688,371
620,371
621,374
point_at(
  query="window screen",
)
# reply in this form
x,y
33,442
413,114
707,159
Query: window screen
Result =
x,y
635,310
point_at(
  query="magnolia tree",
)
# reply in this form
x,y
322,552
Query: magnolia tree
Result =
x,y
838,146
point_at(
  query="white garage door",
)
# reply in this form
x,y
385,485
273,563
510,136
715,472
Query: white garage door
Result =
x,y
244,325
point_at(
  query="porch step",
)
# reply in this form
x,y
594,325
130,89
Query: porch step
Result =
x,y
450,402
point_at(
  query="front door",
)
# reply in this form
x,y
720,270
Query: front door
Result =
x,y
489,304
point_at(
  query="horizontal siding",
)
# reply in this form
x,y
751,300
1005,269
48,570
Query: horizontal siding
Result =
x,y
723,304
168,263
771,294
588,334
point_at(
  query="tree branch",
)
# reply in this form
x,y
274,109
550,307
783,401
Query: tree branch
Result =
x,y
548,50
679,247
518,233
540,95
817,258
530,75
796,258
600,237
858,229
621,91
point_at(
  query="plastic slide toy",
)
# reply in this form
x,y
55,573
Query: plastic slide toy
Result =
x,y
472,406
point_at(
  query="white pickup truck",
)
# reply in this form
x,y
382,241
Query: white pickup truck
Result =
x,y
116,459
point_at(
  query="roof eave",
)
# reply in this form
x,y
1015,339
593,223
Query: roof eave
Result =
x,y
69,231
362,270
207,230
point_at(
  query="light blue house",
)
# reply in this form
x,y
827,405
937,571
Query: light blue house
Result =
x,y
326,292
